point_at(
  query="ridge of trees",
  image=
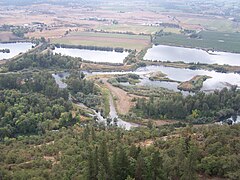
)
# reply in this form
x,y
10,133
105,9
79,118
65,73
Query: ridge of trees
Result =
x,y
199,108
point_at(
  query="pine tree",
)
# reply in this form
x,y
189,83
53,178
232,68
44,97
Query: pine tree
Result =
x,y
156,166
96,163
123,164
139,174
104,159
90,166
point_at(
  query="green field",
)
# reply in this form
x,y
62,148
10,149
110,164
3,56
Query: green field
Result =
x,y
211,23
105,40
229,42
135,28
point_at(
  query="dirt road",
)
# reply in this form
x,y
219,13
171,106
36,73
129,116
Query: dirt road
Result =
x,y
122,98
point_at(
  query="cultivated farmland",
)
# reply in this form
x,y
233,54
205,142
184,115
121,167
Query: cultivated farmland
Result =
x,y
105,40
207,40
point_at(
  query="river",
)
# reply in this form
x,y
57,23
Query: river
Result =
x,y
112,114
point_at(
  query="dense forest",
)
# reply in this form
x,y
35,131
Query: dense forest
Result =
x,y
32,104
45,135
95,153
199,108
45,60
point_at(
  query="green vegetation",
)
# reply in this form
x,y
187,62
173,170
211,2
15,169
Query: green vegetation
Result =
x,y
4,50
93,153
32,104
144,91
50,133
127,78
199,108
106,104
220,41
44,60
193,85
159,76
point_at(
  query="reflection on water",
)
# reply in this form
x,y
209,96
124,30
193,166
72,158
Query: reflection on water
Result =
x,y
94,56
188,55
15,49
218,80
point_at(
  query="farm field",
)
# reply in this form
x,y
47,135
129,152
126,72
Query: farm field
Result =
x,y
219,41
135,28
126,41
7,36
214,24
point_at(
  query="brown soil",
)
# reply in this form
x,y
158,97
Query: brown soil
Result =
x,y
123,99
164,122
7,36
52,159
145,143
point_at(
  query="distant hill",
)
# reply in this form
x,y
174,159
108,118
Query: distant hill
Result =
x,y
27,2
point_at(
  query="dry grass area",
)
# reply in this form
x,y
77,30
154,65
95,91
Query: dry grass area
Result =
x,y
145,143
48,34
105,40
103,67
122,98
6,36
164,122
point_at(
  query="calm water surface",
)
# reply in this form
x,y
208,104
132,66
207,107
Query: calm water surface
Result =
x,y
15,49
218,80
188,55
94,56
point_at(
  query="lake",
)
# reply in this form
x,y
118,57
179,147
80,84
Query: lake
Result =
x,y
190,55
93,55
15,49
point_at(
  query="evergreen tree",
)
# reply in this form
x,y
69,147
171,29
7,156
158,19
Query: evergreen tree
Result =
x,y
139,172
104,160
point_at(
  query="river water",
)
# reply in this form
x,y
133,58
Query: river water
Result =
x,y
15,49
189,55
59,77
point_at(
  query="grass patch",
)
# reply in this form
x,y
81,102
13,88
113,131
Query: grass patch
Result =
x,y
106,103
144,91
160,76
219,41
195,84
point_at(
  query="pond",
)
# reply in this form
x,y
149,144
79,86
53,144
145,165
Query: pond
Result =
x,y
218,80
93,55
190,55
15,49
